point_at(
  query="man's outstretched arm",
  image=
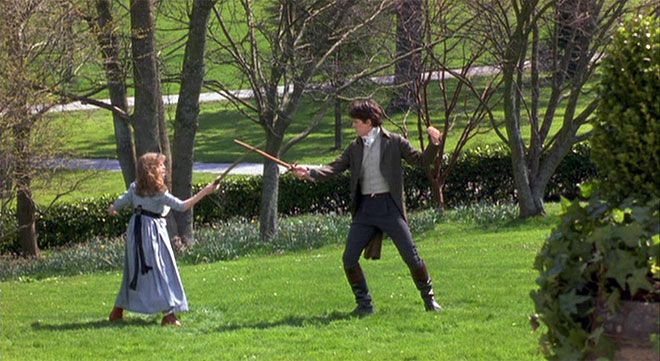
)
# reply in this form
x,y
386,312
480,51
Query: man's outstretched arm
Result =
x,y
338,166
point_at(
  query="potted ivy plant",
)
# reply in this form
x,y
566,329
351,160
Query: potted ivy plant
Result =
x,y
599,271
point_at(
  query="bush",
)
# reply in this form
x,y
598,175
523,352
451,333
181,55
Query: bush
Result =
x,y
482,175
625,145
8,231
66,223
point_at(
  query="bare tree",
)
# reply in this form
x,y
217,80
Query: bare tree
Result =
x,y
107,32
409,36
187,111
352,56
275,61
148,117
447,92
35,58
144,130
146,124
514,31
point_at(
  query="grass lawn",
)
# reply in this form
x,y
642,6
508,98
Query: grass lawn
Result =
x,y
295,307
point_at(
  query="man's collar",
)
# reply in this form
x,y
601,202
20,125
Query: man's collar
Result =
x,y
371,137
386,134
383,131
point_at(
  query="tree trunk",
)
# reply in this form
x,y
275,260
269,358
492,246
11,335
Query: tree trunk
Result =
x,y
19,115
574,31
148,111
163,139
25,208
187,112
512,68
437,191
529,203
25,213
538,190
521,176
269,192
6,182
339,139
107,40
149,114
408,70
68,51
549,162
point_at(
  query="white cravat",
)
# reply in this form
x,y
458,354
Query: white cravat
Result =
x,y
371,136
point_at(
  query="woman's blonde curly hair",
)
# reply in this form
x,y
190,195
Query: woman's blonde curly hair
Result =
x,y
149,181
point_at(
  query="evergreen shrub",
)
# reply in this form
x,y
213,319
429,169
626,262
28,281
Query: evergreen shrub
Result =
x,y
626,142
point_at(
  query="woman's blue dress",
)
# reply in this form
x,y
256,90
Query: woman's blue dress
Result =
x,y
159,289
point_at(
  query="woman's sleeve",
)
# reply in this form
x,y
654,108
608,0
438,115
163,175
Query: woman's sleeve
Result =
x,y
173,202
126,198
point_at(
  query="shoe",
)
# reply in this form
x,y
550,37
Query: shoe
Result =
x,y
431,305
359,287
170,320
117,314
362,311
424,285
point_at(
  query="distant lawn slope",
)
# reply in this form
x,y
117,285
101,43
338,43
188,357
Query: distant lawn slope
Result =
x,y
294,307
90,134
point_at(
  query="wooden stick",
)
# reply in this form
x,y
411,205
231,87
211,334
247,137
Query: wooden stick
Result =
x,y
222,176
238,160
264,154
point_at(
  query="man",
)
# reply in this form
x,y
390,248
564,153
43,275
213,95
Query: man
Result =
x,y
377,199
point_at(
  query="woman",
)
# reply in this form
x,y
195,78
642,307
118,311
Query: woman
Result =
x,y
151,282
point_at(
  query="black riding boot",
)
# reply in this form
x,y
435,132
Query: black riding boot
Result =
x,y
359,286
425,287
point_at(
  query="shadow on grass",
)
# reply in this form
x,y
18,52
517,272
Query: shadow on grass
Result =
x,y
293,321
38,326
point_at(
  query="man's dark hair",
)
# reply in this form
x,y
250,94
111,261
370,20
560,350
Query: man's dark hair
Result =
x,y
364,109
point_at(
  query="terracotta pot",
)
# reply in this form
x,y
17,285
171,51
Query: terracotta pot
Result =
x,y
631,328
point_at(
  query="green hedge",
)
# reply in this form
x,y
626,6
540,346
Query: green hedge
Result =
x,y
481,176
